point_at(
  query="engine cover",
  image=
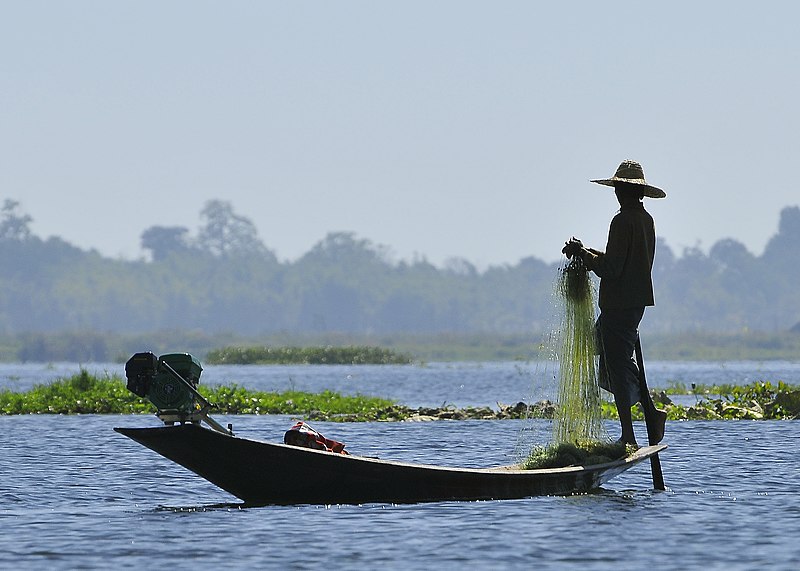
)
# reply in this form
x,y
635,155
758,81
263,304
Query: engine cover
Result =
x,y
167,381
168,393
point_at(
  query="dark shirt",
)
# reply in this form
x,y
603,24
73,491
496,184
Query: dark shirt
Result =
x,y
625,267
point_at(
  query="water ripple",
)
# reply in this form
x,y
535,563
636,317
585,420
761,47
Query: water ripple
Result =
x,y
76,494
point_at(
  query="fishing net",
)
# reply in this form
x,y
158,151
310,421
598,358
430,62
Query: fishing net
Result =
x,y
566,376
578,414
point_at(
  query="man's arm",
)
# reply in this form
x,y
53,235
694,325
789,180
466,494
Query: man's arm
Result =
x,y
609,264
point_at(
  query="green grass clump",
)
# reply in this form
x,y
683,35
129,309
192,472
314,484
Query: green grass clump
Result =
x,y
350,355
80,394
238,400
86,394
588,453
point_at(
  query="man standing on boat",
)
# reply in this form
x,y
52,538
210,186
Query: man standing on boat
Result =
x,y
626,288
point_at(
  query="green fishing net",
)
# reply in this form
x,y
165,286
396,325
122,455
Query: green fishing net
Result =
x,y
578,414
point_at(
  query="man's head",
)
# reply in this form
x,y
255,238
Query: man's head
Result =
x,y
630,176
628,193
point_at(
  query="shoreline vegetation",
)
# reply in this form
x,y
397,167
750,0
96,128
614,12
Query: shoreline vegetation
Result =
x,y
101,347
84,393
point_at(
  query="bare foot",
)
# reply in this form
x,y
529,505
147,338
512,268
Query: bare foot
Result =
x,y
659,426
624,442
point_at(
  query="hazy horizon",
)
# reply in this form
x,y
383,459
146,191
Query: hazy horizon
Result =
x,y
454,129
388,248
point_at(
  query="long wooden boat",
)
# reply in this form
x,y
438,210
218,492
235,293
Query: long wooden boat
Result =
x,y
261,473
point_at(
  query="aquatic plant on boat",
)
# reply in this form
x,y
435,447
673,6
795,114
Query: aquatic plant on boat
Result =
x,y
584,453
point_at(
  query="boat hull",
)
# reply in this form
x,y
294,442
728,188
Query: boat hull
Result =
x,y
262,473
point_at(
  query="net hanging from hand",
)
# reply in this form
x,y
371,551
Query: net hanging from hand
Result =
x,y
578,414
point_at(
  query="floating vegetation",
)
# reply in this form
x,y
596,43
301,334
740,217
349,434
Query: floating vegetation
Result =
x,y
578,415
84,393
756,401
350,355
586,453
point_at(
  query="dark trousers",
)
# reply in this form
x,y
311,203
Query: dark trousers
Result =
x,y
618,331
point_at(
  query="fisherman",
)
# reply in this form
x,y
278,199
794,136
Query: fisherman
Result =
x,y
626,288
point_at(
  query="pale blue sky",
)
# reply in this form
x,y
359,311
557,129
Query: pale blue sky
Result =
x,y
446,128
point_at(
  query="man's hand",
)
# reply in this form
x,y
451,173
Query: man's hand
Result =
x,y
572,248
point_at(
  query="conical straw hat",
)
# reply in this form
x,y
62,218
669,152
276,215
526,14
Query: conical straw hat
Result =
x,y
632,173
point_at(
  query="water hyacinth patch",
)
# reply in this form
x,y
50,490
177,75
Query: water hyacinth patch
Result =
x,y
84,393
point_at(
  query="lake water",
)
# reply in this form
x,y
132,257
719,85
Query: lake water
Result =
x,y
75,494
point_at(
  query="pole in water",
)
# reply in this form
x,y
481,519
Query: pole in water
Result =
x,y
651,420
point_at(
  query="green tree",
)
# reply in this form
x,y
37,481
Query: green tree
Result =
x,y
164,241
225,233
14,225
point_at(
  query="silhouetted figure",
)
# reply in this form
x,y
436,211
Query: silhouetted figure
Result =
x,y
626,288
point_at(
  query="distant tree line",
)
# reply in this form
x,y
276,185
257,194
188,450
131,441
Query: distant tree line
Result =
x,y
224,279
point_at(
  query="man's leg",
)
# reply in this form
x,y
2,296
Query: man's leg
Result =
x,y
625,421
619,332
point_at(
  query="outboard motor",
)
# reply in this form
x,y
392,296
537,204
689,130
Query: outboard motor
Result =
x,y
140,370
169,382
